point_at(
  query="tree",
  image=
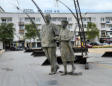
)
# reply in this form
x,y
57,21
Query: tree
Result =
x,y
31,32
7,34
92,31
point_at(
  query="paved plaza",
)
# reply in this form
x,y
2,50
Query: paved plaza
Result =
x,y
21,69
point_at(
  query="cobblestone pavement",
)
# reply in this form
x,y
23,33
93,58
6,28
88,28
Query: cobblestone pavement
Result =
x,y
21,69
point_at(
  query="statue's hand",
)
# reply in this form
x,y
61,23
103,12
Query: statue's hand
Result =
x,y
56,38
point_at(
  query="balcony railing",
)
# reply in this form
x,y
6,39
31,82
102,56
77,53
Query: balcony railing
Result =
x,y
21,31
103,21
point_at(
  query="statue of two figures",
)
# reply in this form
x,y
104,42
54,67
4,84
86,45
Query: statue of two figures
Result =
x,y
50,33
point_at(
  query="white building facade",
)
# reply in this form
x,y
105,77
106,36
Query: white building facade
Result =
x,y
102,20
1,45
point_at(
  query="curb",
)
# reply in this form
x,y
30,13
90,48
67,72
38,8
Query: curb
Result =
x,y
106,46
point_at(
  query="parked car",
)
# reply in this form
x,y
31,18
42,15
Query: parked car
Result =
x,y
89,46
105,44
95,43
19,48
16,48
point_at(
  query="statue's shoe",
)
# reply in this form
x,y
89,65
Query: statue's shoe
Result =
x,y
75,73
57,68
61,71
64,74
52,73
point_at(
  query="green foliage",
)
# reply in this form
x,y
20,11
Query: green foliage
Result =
x,y
6,32
30,31
92,31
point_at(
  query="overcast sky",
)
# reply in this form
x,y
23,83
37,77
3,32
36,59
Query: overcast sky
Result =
x,y
86,5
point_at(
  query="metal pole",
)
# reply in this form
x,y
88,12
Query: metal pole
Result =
x,y
80,32
68,8
82,25
39,10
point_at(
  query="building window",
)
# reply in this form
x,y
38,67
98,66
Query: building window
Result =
x,y
102,19
109,26
9,19
110,33
107,21
38,19
89,19
6,20
58,19
62,18
69,26
84,19
102,25
3,20
108,18
21,27
53,19
69,19
93,19
28,19
21,19
103,33
85,25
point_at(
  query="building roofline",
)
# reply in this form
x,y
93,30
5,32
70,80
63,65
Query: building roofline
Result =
x,y
59,13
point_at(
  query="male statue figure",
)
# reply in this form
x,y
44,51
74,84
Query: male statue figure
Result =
x,y
48,33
